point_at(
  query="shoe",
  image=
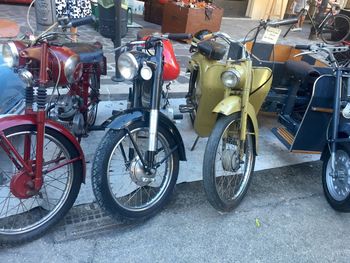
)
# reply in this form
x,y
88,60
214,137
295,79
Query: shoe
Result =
x,y
296,29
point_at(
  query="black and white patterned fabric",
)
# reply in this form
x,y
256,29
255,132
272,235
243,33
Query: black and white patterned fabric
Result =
x,y
73,8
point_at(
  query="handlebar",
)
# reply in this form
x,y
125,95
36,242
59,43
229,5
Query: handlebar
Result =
x,y
284,22
81,21
177,36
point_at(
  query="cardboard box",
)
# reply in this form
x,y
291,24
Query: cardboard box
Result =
x,y
178,19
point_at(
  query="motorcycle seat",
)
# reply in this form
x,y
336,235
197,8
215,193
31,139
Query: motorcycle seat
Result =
x,y
301,70
88,53
212,50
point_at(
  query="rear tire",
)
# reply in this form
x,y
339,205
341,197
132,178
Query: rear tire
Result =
x,y
337,188
221,164
119,181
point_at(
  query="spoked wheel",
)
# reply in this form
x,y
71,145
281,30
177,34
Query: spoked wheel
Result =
x,y
25,216
226,177
120,183
93,99
336,185
335,29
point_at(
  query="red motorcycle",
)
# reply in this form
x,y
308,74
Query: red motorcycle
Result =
x,y
42,164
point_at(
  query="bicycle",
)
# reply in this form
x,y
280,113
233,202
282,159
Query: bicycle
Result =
x,y
333,29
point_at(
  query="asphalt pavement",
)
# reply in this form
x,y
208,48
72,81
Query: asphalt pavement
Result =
x,y
284,217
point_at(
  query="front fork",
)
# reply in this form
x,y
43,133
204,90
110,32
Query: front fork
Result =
x,y
155,104
336,117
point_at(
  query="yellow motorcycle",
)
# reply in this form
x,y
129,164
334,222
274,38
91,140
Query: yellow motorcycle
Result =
x,y
225,95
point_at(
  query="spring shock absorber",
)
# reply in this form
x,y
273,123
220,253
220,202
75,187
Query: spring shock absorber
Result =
x,y
29,97
41,97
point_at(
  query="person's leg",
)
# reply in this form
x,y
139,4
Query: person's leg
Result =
x,y
74,31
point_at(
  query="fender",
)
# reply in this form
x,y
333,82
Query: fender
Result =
x,y
16,120
232,105
129,116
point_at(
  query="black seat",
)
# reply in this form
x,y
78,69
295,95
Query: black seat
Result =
x,y
301,69
89,53
212,50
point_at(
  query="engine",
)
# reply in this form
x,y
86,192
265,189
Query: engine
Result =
x,y
66,112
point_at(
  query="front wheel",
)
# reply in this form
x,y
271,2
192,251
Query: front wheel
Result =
x,y
336,185
335,29
24,218
120,183
226,176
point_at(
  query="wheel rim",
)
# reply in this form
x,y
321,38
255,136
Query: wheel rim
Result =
x,y
231,177
94,91
125,186
339,185
19,216
335,30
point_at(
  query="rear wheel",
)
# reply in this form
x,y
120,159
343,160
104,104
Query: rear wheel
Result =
x,y
120,183
335,29
94,95
226,176
27,218
336,185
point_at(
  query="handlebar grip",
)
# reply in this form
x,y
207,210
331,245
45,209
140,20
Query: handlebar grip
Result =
x,y
284,22
179,36
81,21
307,47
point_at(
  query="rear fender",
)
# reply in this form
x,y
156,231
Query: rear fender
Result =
x,y
127,117
16,120
232,105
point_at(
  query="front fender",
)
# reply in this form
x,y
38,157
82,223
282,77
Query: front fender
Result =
x,y
16,120
231,105
129,116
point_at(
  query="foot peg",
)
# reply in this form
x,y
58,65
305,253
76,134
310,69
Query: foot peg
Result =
x,y
188,108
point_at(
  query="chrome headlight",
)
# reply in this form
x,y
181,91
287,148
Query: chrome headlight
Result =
x,y
230,78
146,72
10,54
26,76
127,65
73,69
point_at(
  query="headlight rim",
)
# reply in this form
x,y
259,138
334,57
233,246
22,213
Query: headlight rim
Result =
x,y
135,65
14,52
235,73
70,70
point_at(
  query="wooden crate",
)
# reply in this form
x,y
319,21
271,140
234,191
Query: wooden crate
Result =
x,y
153,11
178,19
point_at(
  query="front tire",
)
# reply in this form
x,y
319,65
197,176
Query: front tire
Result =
x,y
25,219
226,178
337,187
119,182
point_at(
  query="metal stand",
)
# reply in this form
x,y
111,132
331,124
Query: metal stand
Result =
x,y
117,39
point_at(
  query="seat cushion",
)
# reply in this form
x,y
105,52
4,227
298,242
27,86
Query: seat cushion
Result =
x,y
212,50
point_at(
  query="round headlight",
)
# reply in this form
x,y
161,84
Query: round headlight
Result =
x,y
72,69
26,76
127,65
146,72
230,78
10,54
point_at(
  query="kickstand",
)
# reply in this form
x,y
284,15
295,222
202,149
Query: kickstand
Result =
x,y
195,143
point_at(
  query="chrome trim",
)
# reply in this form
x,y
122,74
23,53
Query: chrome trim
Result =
x,y
14,52
235,73
134,66
70,67
153,126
